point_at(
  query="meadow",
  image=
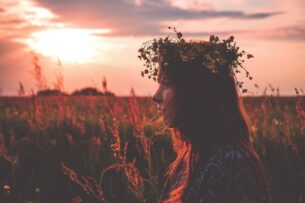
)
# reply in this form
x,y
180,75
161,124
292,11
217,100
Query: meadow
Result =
x,y
117,149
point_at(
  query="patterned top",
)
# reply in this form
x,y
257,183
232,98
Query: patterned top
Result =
x,y
227,176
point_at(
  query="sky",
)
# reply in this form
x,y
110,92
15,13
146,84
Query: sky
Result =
x,y
93,39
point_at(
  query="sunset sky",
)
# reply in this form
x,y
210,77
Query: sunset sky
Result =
x,y
97,38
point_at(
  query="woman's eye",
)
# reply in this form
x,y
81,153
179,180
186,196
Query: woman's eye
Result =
x,y
166,85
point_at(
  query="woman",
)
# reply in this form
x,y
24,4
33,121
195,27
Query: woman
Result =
x,y
198,99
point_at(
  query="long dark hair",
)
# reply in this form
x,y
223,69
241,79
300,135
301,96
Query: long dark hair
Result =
x,y
209,112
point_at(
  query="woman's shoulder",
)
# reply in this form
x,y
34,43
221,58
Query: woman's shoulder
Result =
x,y
226,174
230,165
225,156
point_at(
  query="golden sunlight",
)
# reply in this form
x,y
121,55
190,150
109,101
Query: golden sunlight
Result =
x,y
68,44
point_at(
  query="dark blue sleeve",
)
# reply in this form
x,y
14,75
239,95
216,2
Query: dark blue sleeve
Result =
x,y
242,182
231,179
227,177
208,186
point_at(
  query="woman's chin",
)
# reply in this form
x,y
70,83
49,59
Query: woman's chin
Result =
x,y
169,123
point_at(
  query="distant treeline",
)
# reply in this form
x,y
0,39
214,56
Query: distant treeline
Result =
x,y
85,92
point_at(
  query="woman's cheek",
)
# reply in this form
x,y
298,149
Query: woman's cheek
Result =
x,y
170,110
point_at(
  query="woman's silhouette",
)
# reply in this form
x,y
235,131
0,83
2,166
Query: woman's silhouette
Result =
x,y
215,160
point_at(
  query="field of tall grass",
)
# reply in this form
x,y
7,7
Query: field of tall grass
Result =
x,y
116,149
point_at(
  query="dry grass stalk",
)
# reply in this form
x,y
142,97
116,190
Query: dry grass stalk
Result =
x,y
84,183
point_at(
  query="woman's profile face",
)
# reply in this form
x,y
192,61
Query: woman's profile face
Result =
x,y
165,98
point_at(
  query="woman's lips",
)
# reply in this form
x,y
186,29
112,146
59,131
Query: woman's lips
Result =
x,y
161,112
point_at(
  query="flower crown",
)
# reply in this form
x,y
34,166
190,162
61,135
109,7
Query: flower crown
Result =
x,y
218,56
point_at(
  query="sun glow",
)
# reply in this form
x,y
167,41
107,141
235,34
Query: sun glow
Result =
x,y
69,44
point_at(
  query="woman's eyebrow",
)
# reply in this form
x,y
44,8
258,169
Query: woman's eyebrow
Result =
x,y
162,78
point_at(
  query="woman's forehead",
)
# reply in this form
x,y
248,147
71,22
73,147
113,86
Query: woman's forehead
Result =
x,y
165,74
162,78
162,75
